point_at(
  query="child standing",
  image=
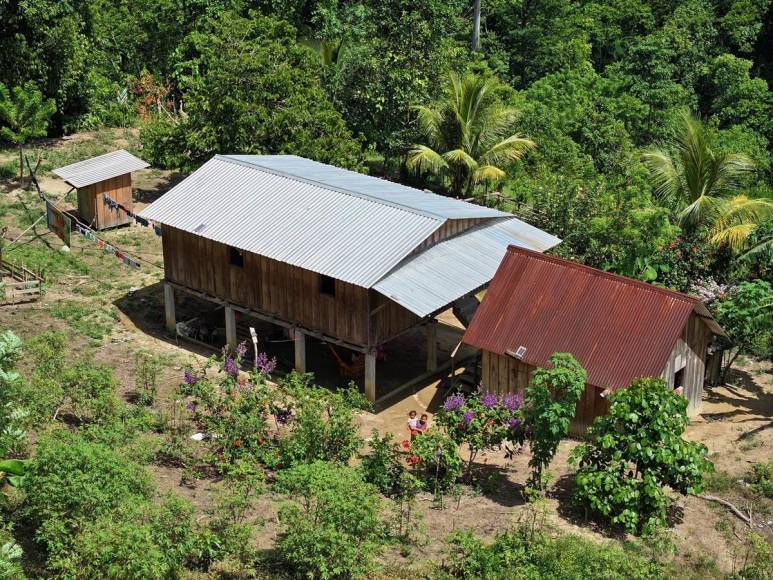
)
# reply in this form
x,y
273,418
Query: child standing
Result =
x,y
413,424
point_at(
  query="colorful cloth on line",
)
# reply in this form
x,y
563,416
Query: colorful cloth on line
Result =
x,y
114,205
89,235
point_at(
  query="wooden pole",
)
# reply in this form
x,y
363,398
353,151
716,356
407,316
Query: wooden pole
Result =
x,y
370,376
230,327
432,345
169,310
300,350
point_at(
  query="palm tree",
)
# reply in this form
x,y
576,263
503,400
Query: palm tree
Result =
x,y
469,134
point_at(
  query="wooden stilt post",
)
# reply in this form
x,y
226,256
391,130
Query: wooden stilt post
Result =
x,y
230,327
169,310
300,351
432,345
370,376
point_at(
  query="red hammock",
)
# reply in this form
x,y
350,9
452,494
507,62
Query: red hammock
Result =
x,y
352,370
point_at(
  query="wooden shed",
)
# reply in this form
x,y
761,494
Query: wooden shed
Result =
x,y
619,329
100,179
324,252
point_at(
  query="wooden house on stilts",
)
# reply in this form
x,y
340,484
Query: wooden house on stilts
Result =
x,y
324,252
106,175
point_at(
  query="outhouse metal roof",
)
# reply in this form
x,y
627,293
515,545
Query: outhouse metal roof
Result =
x,y
619,329
355,228
100,168
430,280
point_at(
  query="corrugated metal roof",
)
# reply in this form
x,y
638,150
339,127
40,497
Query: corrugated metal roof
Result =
x,y
349,237
364,185
432,279
619,329
100,168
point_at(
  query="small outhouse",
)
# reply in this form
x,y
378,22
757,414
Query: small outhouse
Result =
x,y
100,181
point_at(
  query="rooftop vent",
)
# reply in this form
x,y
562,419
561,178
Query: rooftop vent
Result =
x,y
520,351
200,228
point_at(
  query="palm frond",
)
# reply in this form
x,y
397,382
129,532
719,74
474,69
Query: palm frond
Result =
x,y
704,209
734,236
422,159
489,173
508,150
460,158
663,172
430,124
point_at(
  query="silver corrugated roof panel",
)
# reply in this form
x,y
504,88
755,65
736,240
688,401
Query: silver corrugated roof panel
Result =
x,y
353,238
100,168
365,185
434,278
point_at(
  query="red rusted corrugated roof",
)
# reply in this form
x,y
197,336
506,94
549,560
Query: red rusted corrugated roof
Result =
x,y
619,329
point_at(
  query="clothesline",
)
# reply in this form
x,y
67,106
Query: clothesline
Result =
x,y
117,206
87,232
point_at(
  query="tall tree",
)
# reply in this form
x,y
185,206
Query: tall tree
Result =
x,y
24,115
476,25
699,184
470,135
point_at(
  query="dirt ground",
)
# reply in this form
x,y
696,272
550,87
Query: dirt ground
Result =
x,y
736,422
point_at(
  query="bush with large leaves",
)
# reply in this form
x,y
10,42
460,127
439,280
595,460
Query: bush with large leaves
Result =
x,y
634,453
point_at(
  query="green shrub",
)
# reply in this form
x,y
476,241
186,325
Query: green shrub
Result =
x,y
234,408
71,482
550,405
523,554
147,368
636,451
760,477
436,461
333,528
321,426
482,421
138,541
383,466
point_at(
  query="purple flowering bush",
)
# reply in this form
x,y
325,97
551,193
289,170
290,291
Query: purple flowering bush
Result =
x,y
232,408
482,421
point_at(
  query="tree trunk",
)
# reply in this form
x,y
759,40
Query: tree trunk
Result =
x,y
21,163
476,26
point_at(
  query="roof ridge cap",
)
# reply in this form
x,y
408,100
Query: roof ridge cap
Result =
x,y
360,195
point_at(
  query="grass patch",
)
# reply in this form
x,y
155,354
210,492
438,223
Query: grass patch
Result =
x,y
48,262
720,481
103,142
85,319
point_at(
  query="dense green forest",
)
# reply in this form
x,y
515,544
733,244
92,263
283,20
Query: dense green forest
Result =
x,y
590,86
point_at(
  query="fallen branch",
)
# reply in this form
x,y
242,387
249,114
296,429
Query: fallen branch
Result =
x,y
746,519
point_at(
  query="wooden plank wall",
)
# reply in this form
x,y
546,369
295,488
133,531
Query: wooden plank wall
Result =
x,y
503,374
92,208
389,319
691,347
286,292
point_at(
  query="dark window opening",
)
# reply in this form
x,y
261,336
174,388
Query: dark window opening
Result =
x,y
235,257
327,285
679,378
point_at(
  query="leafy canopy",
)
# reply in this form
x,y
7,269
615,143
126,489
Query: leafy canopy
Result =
x,y
634,453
